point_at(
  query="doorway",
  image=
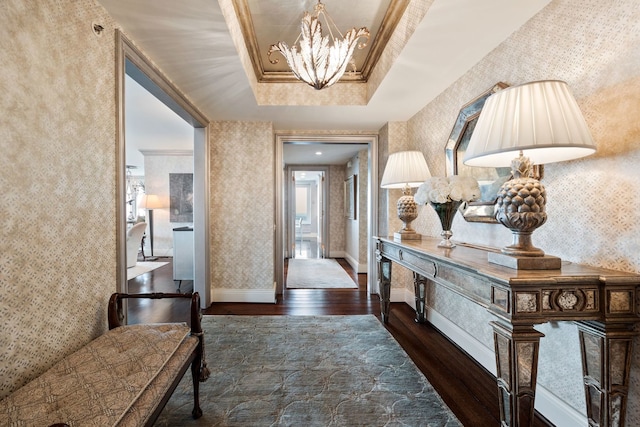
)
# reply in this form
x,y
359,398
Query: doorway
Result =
x,y
307,212
130,62
283,226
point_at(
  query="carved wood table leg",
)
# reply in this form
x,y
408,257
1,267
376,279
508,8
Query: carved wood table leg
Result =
x,y
606,362
420,286
384,273
517,368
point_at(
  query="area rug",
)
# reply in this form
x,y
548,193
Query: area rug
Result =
x,y
317,274
306,371
142,267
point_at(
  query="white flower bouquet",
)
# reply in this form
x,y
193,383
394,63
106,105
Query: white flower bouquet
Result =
x,y
447,189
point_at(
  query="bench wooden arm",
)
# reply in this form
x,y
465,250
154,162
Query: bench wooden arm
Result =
x,y
116,313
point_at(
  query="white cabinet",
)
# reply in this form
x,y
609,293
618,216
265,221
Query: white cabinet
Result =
x,y
183,253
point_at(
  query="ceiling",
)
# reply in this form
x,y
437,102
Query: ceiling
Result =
x,y
198,44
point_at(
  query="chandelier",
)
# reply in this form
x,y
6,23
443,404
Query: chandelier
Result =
x,y
320,61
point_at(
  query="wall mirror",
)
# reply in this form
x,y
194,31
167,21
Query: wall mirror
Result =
x,y
489,179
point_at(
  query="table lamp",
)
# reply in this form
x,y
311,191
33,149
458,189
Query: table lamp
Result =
x,y
406,170
534,123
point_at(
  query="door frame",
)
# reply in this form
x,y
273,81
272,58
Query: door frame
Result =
x,y
156,83
289,225
372,199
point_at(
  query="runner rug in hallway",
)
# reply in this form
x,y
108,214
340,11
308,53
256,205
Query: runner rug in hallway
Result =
x,y
306,371
142,267
317,274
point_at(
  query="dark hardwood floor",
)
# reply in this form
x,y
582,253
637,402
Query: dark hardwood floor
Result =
x,y
468,389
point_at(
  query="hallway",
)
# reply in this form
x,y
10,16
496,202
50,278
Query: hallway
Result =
x,y
467,388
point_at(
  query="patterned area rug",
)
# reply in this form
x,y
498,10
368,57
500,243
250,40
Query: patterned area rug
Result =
x,y
142,267
306,371
317,274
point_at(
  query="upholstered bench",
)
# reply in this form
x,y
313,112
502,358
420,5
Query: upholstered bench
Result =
x,y
122,378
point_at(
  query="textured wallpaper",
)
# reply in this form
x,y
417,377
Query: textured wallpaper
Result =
x,y
337,221
57,133
363,213
242,205
595,47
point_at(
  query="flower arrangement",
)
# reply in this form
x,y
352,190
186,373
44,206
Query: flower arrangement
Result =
x,y
447,189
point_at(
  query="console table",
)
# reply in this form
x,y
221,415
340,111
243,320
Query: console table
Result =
x,y
601,302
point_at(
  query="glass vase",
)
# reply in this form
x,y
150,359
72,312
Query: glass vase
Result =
x,y
446,212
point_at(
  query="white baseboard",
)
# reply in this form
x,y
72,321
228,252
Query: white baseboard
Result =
x,y
357,267
244,295
548,404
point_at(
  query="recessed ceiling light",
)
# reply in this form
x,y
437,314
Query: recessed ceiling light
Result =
x,y
318,153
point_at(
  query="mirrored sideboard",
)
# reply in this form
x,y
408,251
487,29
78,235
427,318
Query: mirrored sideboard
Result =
x,y
601,302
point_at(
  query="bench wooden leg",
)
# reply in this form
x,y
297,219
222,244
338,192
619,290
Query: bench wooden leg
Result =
x,y
195,377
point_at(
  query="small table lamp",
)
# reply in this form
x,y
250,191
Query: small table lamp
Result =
x,y
539,122
151,202
406,170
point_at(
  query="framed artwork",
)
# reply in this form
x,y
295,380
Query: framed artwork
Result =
x,y
181,197
350,197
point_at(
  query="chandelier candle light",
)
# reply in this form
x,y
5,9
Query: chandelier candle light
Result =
x,y
539,122
320,61
445,195
406,170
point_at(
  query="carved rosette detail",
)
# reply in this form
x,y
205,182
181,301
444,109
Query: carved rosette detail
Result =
x,y
568,300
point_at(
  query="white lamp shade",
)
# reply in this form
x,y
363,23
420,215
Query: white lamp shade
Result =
x,y
151,201
541,119
405,168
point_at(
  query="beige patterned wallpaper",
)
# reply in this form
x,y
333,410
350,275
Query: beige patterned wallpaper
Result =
x,y
383,195
241,205
595,47
337,241
57,133
363,213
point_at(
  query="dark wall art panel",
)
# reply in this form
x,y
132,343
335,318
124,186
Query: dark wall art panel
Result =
x,y
181,195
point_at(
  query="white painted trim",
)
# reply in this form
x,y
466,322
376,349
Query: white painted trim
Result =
x,y
244,295
481,353
357,267
352,261
556,410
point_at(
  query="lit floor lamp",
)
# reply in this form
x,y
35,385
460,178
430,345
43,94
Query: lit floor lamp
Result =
x,y
151,202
